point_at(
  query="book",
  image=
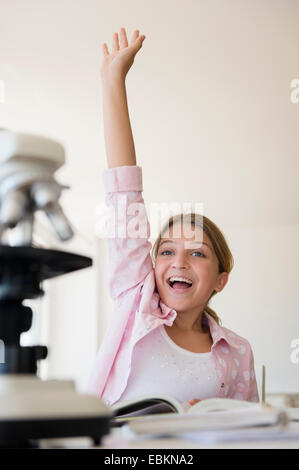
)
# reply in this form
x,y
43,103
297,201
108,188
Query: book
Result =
x,y
240,422
164,410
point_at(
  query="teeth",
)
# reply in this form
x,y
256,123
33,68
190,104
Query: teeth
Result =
x,y
183,279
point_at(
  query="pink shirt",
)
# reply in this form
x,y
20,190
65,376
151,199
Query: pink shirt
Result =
x,y
139,309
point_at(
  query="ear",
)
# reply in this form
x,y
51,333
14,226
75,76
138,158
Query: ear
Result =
x,y
221,282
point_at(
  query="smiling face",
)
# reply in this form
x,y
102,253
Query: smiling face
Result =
x,y
191,256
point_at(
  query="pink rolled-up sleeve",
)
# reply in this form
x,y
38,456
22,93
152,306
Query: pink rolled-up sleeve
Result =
x,y
128,229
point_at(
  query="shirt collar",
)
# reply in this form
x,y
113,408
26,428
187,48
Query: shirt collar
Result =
x,y
218,332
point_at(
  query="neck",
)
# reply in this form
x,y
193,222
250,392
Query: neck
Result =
x,y
189,321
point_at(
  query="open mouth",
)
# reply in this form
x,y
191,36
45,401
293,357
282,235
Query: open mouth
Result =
x,y
179,285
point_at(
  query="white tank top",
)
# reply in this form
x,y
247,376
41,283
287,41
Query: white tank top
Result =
x,y
160,366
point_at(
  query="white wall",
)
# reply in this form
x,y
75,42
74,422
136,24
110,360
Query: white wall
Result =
x,y
209,100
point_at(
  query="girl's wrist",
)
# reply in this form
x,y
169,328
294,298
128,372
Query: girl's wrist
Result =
x,y
112,77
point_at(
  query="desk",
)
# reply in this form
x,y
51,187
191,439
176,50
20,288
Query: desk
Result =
x,y
289,439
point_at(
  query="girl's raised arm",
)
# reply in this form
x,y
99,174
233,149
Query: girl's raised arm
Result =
x,y
120,150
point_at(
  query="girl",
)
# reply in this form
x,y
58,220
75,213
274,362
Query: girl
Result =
x,y
163,337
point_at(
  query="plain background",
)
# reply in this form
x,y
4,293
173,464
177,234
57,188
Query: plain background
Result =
x,y
213,123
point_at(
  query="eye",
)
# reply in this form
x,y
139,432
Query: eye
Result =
x,y
199,253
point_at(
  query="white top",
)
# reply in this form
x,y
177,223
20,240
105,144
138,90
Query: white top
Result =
x,y
159,366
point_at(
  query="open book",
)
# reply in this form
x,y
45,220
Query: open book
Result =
x,y
167,411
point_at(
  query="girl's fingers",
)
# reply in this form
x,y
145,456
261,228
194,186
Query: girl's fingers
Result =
x,y
123,38
105,49
115,46
123,41
135,36
193,401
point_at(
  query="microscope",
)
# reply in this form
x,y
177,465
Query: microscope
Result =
x,y
32,409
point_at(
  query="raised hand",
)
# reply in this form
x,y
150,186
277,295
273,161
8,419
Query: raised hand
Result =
x,y
119,61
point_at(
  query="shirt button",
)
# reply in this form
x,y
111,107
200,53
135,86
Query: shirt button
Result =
x,y
148,327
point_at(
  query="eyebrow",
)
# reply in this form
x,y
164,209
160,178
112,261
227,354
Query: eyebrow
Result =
x,y
195,246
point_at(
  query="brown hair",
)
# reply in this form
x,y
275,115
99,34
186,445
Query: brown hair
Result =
x,y
221,248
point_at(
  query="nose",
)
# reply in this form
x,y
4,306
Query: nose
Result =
x,y
179,261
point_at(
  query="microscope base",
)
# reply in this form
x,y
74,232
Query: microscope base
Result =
x,y
32,409
26,433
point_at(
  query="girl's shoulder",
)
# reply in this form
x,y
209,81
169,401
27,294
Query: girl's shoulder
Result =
x,y
235,339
